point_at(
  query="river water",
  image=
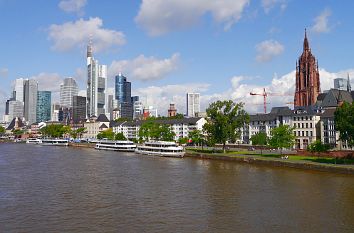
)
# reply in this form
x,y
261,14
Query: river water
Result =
x,y
55,189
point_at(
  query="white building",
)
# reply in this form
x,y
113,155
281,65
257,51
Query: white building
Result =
x,y
193,104
68,89
96,86
181,127
95,126
19,89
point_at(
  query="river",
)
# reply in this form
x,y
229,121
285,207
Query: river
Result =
x,y
57,189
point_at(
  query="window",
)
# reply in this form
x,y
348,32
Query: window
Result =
x,y
307,133
303,125
303,133
311,133
307,125
311,125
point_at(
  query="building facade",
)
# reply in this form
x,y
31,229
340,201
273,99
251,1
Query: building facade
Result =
x,y
68,89
96,98
172,111
307,78
78,109
44,103
123,95
193,104
342,84
30,100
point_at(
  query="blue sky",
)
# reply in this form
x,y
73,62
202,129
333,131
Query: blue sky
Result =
x,y
223,49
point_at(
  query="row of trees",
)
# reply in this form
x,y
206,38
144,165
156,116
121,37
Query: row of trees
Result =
x,y
151,130
110,135
57,131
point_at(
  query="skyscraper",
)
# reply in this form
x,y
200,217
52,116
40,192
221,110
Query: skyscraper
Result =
x,y
96,98
193,104
30,100
342,84
68,89
15,109
44,103
307,78
123,95
19,89
79,109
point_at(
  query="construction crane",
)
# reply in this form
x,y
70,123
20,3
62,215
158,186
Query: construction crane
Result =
x,y
265,94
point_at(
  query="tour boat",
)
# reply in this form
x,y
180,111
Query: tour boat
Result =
x,y
126,146
161,148
54,142
33,141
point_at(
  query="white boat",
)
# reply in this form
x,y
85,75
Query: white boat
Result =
x,y
54,142
161,148
33,141
126,146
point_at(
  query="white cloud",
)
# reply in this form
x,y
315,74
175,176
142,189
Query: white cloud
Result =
x,y
72,6
321,22
145,68
268,5
158,17
77,34
4,72
268,49
82,93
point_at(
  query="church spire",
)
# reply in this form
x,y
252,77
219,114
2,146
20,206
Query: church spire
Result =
x,y
306,42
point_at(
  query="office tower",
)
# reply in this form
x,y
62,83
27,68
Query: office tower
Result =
x,y
55,112
172,111
138,109
18,93
193,104
64,115
308,84
15,109
96,98
68,89
342,84
30,100
123,95
79,109
44,102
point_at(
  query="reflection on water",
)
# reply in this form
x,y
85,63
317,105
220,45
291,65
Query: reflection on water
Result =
x,y
52,189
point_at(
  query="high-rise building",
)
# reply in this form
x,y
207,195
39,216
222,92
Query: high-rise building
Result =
x,y
342,84
193,104
55,112
172,111
308,84
19,89
15,109
68,89
44,102
30,100
96,98
123,95
79,109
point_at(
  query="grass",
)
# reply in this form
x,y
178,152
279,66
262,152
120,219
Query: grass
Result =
x,y
326,160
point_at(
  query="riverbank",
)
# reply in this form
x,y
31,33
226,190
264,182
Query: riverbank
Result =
x,y
276,162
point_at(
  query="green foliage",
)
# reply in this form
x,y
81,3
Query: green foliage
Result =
x,y
260,139
108,134
196,136
282,137
183,140
77,133
344,121
224,122
123,119
55,131
318,146
120,136
18,132
2,130
151,130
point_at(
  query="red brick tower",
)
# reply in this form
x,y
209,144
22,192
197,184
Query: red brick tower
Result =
x,y
307,78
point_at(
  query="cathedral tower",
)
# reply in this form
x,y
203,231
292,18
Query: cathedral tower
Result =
x,y
307,78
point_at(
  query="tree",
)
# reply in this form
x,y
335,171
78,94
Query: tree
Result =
x,y
108,134
2,130
18,132
224,122
318,146
54,131
165,132
120,136
344,122
152,130
282,137
146,130
80,131
196,136
182,141
260,139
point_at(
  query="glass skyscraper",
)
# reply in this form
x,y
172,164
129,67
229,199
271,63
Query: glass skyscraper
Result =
x,y
30,99
123,95
68,89
44,103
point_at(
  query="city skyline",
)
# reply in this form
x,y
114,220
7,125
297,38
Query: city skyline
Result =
x,y
218,55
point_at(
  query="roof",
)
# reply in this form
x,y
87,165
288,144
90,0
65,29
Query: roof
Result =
x,y
284,111
103,126
190,121
263,117
332,97
11,126
102,118
328,113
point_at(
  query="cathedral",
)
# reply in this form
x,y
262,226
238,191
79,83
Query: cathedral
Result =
x,y
307,78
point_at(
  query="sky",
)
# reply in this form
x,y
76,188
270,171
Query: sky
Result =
x,y
223,49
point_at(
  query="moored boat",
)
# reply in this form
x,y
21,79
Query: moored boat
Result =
x,y
54,142
33,141
161,148
126,146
